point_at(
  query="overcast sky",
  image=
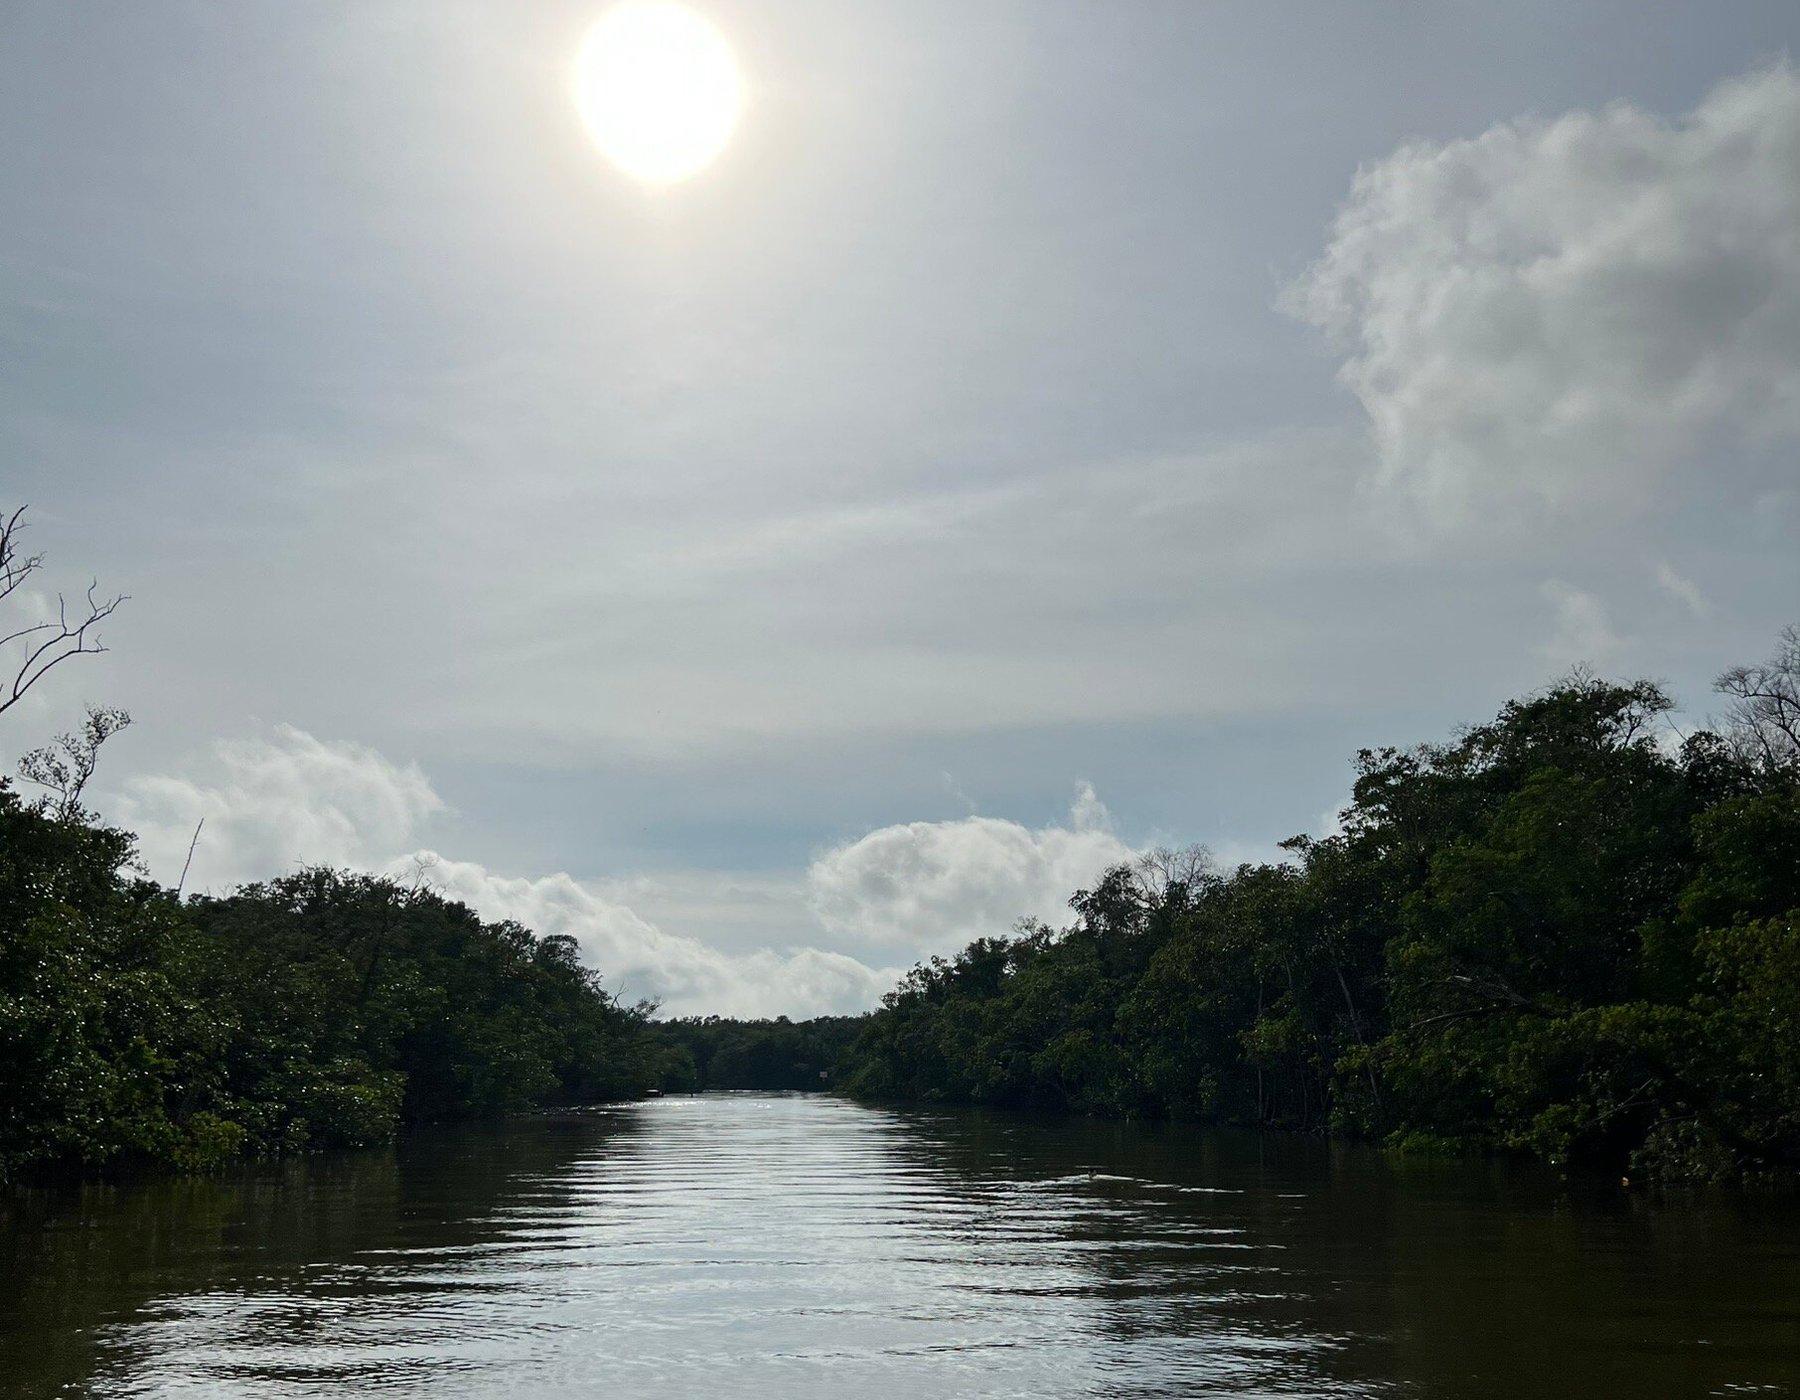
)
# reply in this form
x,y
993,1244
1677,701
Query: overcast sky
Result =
x,y
1047,430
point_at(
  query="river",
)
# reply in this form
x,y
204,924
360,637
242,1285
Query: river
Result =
x,y
751,1246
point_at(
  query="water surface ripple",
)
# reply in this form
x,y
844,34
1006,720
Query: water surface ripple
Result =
x,y
763,1246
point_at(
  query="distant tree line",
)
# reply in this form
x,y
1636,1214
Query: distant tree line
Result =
x,y
712,1052
1565,933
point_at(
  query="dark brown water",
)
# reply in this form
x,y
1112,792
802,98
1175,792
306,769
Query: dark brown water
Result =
x,y
768,1246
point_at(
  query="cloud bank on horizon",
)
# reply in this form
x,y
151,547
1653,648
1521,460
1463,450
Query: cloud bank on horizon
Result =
x,y
253,809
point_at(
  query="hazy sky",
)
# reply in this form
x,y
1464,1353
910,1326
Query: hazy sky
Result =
x,y
1048,429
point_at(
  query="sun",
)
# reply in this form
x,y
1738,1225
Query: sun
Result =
x,y
658,90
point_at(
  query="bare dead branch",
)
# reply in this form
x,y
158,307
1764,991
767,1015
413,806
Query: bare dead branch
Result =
x,y
15,567
1765,710
1160,869
190,857
46,644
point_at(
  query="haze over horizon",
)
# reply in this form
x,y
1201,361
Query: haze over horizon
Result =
x,y
1042,432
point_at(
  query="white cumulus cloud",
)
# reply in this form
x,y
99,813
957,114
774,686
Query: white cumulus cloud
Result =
x,y
933,886
640,959
273,804
1560,309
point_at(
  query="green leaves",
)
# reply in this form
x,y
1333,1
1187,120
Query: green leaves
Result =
x,y
324,1009
1555,935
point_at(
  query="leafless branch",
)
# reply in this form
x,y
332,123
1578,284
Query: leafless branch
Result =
x,y
190,857
1160,869
424,863
15,567
1765,710
49,643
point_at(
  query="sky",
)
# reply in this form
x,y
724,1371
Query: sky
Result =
x,y
1046,431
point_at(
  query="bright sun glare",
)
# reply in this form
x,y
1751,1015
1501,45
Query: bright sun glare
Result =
x,y
658,90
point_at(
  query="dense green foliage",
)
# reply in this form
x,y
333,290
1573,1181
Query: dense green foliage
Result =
x,y
1560,934
710,1052
323,1008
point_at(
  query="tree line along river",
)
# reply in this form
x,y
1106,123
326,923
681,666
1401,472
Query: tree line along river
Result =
x,y
797,1246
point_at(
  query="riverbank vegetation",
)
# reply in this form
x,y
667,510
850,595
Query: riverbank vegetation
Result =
x,y
712,1052
1568,932
321,1009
